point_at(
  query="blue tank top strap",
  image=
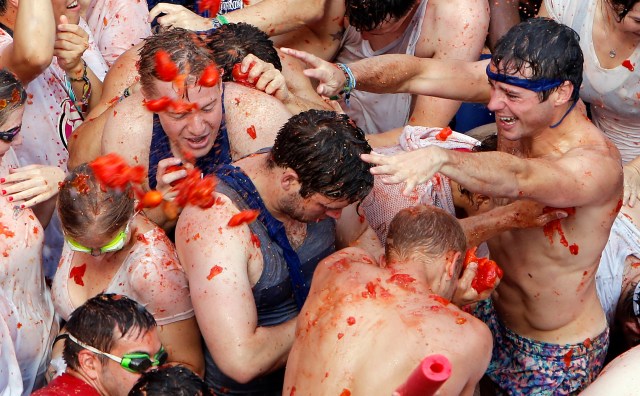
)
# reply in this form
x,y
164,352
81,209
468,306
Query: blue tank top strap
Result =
x,y
160,149
240,182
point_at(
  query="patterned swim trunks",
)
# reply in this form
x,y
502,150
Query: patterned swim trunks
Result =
x,y
522,366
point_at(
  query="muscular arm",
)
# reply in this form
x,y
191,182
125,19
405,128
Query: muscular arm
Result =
x,y
571,180
216,258
518,214
25,56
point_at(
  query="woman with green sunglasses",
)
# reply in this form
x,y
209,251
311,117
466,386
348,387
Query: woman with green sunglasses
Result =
x,y
111,248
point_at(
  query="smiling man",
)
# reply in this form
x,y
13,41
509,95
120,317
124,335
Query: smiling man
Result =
x,y
550,331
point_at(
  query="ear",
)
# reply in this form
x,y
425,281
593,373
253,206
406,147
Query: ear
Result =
x,y
289,180
563,93
482,202
14,3
89,364
451,258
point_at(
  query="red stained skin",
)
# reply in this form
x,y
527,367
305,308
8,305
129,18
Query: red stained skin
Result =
x,y
251,131
210,76
293,391
215,270
351,320
343,265
402,280
551,227
142,239
77,273
166,69
35,230
340,335
345,392
627,63
182,107
461,321
255,240
440,299
371,290
444,134
574,249
213,6
246,216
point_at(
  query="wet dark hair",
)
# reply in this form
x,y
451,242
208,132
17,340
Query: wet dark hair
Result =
x,y
323,148
3,7
170,381
425,230
95,323
366,15
12,94
541,48
97,208
230,43
621,7
186,48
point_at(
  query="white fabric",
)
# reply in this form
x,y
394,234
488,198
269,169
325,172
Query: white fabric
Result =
x,y
10,378
624,240
150,274
49,119
376,113
118,25
22,282
386,200
614,94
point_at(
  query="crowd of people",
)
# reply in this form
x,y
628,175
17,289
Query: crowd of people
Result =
x,y
269,197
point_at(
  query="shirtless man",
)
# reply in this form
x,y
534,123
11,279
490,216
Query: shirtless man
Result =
x,y
214,133
342,342
551,153
300,188
348,30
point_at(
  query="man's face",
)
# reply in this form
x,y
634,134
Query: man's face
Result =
x,y
195,131
316,207
114,379
519,112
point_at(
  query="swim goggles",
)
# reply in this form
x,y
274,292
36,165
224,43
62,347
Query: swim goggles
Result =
x,y
136,362
116,244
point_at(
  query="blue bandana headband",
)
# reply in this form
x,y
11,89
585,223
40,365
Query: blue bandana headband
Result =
x,y
540,85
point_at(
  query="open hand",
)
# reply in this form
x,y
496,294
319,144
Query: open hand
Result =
x,y
31,185
331,80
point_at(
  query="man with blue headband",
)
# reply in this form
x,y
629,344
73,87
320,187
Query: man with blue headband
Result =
x,y
550,332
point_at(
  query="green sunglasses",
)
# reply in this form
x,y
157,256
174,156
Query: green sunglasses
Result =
x,y
116,244
137,362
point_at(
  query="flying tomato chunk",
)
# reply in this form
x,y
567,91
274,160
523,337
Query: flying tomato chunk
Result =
x,y
246,216
166,69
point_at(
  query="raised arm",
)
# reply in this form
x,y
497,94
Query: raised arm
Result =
x,y
572,180
216,258
26,56
271,16
451,79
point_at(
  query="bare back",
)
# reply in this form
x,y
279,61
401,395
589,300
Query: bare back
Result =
x,y
366,331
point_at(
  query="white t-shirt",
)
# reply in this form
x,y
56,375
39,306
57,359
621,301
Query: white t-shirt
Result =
x,y
118,25
614,94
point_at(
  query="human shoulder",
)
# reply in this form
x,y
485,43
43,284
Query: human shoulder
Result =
x,y
67,384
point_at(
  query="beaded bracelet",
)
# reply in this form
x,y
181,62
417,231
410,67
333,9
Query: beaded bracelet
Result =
x,y
86,89
349,84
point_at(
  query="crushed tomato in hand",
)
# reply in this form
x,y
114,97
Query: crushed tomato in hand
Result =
x,y
488,272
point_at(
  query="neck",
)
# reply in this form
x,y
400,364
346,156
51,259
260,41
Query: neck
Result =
x,y
262,176
425,281
85,378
